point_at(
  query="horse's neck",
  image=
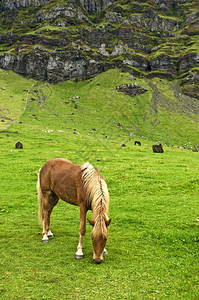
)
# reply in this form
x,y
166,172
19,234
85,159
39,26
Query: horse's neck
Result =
x,y
96,191
99,213
99,205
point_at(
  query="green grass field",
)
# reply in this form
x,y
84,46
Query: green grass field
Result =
x,y
154,198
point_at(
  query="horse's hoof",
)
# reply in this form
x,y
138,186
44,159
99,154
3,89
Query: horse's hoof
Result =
x,y
105,252
45,241
51,236
79,256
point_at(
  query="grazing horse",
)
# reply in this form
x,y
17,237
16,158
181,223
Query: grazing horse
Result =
x,y
79,185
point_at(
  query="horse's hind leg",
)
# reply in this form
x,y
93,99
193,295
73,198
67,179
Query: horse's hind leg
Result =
x,y
53,201
49,201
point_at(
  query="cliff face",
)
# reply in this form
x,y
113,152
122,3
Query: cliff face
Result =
x,y
10,4
63,39
94,6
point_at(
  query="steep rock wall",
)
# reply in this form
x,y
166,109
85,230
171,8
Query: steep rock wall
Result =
x,y
58,40
93,6
15,4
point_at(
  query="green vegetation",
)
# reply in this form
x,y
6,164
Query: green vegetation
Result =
x,y
154,204
153,114
13,96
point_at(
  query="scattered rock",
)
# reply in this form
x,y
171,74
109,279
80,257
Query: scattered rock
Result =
x,y
157,148
131,77
102,50
131,89
131,134
19,145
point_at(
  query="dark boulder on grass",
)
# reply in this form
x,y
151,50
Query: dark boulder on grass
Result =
x,y
19,145
157,148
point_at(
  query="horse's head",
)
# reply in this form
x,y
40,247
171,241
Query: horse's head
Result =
x,y
99,237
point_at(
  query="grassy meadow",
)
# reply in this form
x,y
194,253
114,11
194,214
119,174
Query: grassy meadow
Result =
x,y
153,239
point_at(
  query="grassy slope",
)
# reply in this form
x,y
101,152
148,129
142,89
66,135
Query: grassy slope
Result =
x,y
153,240
13,96
162,113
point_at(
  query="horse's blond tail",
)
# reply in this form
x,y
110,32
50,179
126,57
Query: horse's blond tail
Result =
x,y
39,194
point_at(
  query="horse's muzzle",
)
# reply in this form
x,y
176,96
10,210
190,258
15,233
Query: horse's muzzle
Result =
x,y
97,261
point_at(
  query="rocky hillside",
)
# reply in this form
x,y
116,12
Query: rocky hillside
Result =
x,y
59,40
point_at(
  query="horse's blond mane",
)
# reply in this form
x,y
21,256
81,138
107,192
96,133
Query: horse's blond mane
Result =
x,y
97,197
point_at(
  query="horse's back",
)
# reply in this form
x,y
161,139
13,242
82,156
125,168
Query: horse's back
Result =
x,y
59,164
63,178
56,161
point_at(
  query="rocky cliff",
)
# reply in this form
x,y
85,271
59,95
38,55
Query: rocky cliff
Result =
x,y
59,40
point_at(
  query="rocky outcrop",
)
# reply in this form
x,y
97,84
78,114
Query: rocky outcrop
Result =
x,y
93,6
67,65
63,14
131,89
190,84
163,63
55,68
58,40
10,4
31,65
136,61
189,61
155,23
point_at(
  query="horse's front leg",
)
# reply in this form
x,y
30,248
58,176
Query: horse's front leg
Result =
x,y
82,230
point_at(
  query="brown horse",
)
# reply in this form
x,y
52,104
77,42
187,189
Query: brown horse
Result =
x,y
79,185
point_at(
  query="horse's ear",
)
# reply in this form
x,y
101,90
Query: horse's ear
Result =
x,y
108,222
92,223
